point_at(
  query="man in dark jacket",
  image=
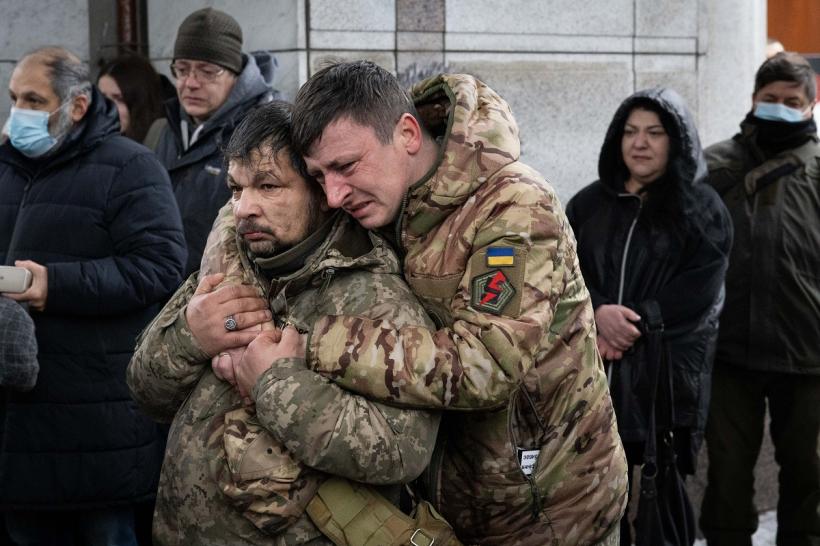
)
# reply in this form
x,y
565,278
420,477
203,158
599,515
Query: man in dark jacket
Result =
x,y
769,177
216,86
91,214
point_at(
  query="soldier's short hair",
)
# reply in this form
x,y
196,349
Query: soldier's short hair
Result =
x,y
265,125
360,90
789,67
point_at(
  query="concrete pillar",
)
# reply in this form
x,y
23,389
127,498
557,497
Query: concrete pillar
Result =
x,y
28,25
732,40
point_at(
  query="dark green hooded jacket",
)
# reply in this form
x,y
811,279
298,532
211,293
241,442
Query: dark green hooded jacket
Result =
x,y
770,181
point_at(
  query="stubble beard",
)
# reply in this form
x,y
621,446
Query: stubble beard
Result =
x,y
273,247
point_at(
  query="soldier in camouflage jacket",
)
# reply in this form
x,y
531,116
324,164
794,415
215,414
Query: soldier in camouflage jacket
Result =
x,y
532,454
226,479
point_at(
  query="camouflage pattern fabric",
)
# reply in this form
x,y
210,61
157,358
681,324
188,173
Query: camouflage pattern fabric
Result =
x,y
533,456
232,475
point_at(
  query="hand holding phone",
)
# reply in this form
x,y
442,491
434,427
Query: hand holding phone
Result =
x,y
14,280
36,292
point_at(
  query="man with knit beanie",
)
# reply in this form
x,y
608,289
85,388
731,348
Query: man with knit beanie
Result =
x,y
216,86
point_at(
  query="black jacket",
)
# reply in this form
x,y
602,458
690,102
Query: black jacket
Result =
x,y
676,269
197,173
771,321
100,214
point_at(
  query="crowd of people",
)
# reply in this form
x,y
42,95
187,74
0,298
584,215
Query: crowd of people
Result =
x,y
362,319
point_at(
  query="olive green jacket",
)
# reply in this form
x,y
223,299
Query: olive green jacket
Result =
x,y
771,318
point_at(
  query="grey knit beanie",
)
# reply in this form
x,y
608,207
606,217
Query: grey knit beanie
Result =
x,y
210,35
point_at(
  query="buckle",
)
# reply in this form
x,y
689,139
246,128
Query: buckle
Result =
x,y
420,532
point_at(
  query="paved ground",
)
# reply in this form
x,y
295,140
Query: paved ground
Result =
x,y
765,534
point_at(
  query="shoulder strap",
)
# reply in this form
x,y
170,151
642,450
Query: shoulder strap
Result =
x,y
354,514
151,140
653,330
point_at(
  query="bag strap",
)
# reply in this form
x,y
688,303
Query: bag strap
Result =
x,y
653,330
354,514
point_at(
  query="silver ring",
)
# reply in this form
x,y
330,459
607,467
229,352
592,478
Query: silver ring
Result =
x,y
230,324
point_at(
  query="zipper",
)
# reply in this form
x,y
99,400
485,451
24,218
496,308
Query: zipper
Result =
x,y
12,245
432,476
327,276
400,229
622,277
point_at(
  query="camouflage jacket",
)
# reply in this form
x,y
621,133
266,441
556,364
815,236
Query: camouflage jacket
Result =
x,y
301,418
535,456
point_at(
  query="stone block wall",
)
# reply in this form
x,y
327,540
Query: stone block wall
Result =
x,y
29,25
564,65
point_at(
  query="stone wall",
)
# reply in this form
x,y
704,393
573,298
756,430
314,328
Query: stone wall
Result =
x,y
564,65
31,24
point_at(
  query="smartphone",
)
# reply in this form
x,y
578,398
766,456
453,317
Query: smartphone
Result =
x,y
14,279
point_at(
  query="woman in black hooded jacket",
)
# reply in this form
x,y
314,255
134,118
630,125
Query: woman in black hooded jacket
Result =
x,y
653,243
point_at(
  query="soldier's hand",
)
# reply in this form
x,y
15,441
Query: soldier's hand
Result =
x,y
258,357
615,324
293,344
38,291
224,364
209,308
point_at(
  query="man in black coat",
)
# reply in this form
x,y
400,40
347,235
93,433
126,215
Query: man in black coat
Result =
x,y
768,352
216,86
91,214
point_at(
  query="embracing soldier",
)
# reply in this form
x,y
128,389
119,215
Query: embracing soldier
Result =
x,y
528,451
238,469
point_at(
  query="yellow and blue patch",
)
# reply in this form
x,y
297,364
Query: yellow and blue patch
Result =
x,y
500,256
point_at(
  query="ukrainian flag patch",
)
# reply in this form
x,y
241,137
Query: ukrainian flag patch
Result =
x,y
500,256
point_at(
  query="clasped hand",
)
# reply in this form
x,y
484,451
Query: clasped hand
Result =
x,y
617,331
268,347
240,356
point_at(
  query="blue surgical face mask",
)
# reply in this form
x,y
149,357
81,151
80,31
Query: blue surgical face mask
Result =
x,y
28,131
777,112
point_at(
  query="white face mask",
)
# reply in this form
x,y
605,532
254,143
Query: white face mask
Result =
x,y
774,111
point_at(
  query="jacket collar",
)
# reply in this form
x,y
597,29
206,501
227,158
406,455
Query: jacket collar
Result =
x,y
342,245
477,135
299,257
767,139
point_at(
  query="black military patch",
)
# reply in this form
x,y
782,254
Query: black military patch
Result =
x,y
491,292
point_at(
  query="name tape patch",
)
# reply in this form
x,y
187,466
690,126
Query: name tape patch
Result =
x,y
528,458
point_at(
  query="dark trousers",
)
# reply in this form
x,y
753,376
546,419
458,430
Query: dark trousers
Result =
x,y
734,434
103,527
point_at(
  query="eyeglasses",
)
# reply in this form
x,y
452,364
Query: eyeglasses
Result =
x,y
206,73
